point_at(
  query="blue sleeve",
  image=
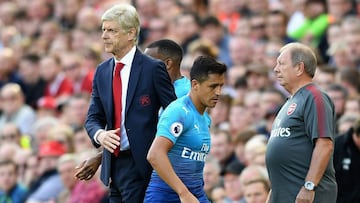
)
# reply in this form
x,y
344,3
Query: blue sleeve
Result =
x,y
172,122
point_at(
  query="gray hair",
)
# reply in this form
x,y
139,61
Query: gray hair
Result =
x,y
301,53
126,16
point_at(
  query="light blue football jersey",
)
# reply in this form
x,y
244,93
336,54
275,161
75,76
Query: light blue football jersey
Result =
x,y
189,131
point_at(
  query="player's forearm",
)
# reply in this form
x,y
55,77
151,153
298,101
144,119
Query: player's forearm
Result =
x,y
161,164
320,159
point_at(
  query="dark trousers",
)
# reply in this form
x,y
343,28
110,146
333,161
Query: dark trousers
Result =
x,y
127,184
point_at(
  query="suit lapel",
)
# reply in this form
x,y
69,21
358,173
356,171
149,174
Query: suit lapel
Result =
x,y
135,72
108,89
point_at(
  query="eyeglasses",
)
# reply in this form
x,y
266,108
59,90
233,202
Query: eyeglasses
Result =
x,y
157,29
7,137
259,26
9,98
70,67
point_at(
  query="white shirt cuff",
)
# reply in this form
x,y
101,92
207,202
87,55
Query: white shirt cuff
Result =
x,y
96,136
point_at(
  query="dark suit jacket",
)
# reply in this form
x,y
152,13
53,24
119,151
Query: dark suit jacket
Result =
x,y
149,88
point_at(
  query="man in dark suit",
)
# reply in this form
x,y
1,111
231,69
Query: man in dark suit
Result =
x,y
145,87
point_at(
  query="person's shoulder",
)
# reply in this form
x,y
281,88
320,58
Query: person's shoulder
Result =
x,y
20,189
139,55
178,107
313,90
105,63
178,103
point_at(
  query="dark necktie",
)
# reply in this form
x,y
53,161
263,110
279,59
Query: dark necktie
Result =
x,y
117,93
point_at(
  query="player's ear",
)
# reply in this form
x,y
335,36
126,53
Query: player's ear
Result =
x,y
195,84
168,62
132,34
300,68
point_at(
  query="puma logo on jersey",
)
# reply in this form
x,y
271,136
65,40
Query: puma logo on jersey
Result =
x,y
197,128
185,109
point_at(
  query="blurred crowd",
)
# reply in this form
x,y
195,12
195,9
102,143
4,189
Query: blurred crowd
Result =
x,y
49,50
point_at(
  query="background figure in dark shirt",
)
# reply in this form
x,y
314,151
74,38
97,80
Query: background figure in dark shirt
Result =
x,y
347,164
29,71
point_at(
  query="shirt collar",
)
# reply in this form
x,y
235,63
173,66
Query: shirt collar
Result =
x,y
128,58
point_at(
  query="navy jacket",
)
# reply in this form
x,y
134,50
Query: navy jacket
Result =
x,y
149,88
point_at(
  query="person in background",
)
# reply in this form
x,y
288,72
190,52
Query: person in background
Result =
x,y
14,109
47,186
213,30
46,106
80,75
256,191
171,54
124,106
276,22
345,122
57,85
10,133
174,146
347,164
232,181
76,191
338,94
29,71
8,67
325,76
222,149
212,178
65,167
10,189
316,21
300,149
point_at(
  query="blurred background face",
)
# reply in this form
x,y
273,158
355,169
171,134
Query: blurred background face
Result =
x,y
339,101
219,113
11,100
255,193
82,141
47,163
8,177
72,68
67,171
314,9
48,69
257,24
27,70
212,33
323,79
276,26
77,110
220,147
353,46
337,8
211,176
157,29
232,181
239,117
9,134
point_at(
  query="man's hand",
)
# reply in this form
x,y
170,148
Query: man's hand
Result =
x,y
110,139
87,169
305,196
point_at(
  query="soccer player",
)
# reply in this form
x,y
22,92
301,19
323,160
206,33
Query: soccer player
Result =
x,y
183,139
